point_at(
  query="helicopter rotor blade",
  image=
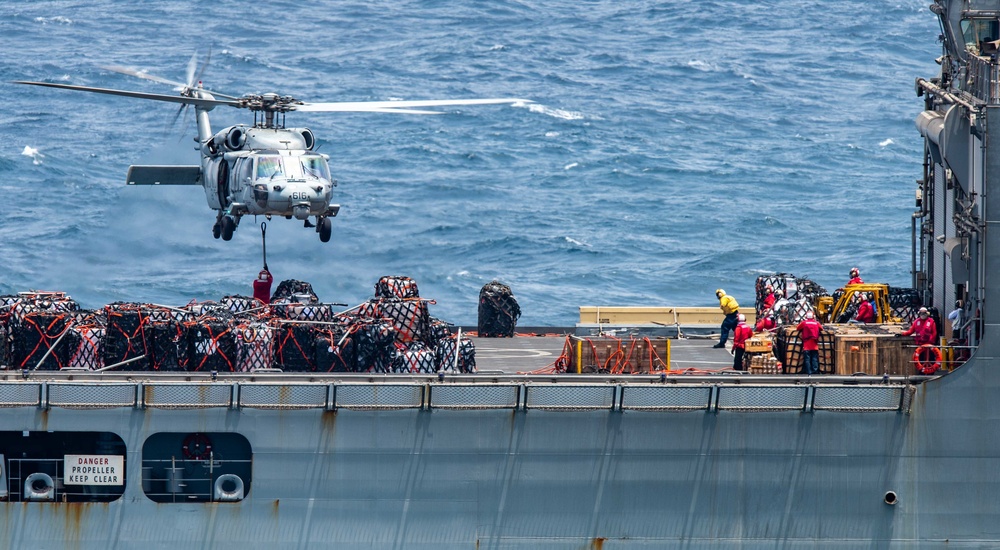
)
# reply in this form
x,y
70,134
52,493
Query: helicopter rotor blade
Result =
x,y
196,101
208,59
399,106
144,75
192,66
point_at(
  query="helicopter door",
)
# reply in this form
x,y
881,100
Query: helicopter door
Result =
x,y
223,183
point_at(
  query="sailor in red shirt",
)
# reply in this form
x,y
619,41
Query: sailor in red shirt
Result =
x,y
866,311
769,298
262,286
740,335
766,322
809,330
923,329
855,277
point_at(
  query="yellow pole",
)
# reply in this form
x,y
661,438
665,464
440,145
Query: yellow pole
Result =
x,y
579,356
668,354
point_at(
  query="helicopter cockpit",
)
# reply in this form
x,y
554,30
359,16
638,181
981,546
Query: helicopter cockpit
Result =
x,y
282,182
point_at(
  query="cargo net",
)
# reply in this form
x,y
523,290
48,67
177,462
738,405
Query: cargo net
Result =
x,y
374,341
498,311
294,347
413,358
254,346
794,289
904,302
437,330
302,311
448,359
792,312
235,334
34,338
788,350
244,306
145,336
396,287
211,342
293,290
336,350
408,316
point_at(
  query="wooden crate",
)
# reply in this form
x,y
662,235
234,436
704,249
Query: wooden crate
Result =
x,y
628,355
760,342
873,354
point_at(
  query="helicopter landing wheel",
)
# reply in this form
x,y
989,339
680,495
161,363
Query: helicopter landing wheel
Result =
x,y
217,230
325,229
228,226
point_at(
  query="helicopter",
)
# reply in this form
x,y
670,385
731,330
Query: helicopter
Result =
x,y
261,169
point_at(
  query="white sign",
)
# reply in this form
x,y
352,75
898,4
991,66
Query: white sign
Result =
x,y
94,470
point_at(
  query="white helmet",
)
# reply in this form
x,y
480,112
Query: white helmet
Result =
x,y
741,318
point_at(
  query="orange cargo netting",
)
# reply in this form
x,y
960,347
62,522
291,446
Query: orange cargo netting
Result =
x,y
49,328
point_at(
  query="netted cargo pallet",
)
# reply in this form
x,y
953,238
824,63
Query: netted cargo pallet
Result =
x,y
336,350
793,288
414,357
904,302
84,343
34,341
396,287
254,346
303,312
292,289
498,311
437,330
373,340
408,316
211,345
243,305
452,360
294,348
788,350
618,355
125,337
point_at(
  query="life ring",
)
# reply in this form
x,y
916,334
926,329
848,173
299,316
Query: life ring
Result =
x,y
197,446
927,359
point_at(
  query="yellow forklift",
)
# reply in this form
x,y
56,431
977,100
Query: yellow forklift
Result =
x,y
846,305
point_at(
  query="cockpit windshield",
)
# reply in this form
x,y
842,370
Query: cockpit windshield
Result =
x,y
269,166
315,166
306,166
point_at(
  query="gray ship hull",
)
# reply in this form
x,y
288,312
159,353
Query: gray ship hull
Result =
x,y
529,477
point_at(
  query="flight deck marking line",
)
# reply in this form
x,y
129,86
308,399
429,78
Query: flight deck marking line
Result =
x,y
512,354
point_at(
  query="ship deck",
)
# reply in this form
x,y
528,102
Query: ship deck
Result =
x,y
525,354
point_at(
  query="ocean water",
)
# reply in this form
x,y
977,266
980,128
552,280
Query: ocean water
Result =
x,y
673,147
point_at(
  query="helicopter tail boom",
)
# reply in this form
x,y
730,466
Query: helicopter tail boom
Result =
x,y
163,175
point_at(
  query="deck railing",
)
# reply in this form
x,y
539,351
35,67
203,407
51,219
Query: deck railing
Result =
x,y
637,393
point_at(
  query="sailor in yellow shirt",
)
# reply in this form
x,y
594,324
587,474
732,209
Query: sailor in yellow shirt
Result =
x,y
731,308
